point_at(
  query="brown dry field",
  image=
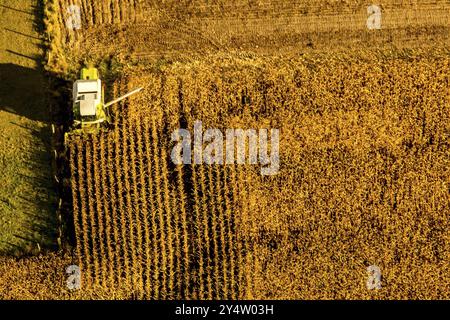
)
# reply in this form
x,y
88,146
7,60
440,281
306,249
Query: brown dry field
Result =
x,y
146,31
364,150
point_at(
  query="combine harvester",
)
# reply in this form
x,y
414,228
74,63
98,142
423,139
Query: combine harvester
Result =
x,y
90,112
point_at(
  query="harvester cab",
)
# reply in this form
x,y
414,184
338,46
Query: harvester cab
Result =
x,y
89,108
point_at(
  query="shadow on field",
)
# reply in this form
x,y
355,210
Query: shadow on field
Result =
x,y
21,92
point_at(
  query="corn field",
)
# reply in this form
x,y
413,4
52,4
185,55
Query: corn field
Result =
x,y
159,230
364,180
364,176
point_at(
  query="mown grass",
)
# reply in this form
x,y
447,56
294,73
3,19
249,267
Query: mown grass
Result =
x,y
27,213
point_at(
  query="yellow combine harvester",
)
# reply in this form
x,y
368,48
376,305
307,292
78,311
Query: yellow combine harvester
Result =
x,y
89,109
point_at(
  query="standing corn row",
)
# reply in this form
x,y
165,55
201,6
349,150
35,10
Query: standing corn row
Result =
x,y
147,226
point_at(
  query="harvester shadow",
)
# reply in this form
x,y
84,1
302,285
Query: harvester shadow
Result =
x,y
39,15
21,92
